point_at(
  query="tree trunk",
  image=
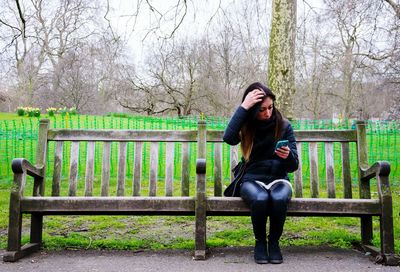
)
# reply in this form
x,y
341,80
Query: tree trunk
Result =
x,y
348,72
281,54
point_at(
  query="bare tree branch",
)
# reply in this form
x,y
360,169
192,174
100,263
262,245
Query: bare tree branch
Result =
x,y
10,26
181,20
395,6
21,16
108,20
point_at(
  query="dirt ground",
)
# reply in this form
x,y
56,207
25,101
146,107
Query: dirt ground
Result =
x,y
296,259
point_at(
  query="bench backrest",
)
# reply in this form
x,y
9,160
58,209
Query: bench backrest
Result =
x,y
173,149
80,147
331,147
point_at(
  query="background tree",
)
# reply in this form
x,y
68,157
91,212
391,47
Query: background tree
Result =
x,y
282,54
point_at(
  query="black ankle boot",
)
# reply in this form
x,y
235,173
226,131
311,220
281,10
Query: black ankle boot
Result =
x,y
275,255
260,252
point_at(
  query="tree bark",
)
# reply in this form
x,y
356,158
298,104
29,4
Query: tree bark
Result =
x,y
282,53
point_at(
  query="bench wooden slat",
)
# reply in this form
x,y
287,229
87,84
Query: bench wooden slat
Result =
x,y
330,175
218,169
185,169
169,168
299,206
58,161
99,205
89,176
73,171
153,168
137,170
122,135
121,169
346,171
304,136
234,158
314,179
325,136
105,173
298,176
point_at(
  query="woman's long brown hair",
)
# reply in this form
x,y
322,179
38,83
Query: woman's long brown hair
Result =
x,y
247,131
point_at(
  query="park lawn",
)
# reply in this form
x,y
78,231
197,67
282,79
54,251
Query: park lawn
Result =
x,y
177,232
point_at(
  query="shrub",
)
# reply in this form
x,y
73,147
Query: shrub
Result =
x,y
73,111
21,111
36,112
32,112
63,111
29,111
51,111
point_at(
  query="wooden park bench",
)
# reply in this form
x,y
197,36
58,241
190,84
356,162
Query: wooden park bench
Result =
x,y
205,201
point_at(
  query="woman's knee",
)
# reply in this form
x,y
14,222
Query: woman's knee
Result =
x,y
281,194
252,193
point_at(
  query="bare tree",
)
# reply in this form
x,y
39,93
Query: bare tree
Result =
x,y
312,71
355,52
237,43
41,33
173,83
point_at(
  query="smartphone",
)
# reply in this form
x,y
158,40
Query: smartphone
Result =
x,y
281,143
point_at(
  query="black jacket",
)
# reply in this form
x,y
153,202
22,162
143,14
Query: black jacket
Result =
x,y
263,160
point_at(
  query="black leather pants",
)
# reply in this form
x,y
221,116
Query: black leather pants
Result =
x,y
264,203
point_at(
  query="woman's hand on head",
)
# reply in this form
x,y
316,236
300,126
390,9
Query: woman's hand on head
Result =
x,y
283,152
252,98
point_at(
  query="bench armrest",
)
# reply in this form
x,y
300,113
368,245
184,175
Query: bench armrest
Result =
x,y
22,167
200,166
380,168
201,177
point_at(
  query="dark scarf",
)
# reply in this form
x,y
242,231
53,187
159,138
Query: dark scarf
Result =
x,y
264,140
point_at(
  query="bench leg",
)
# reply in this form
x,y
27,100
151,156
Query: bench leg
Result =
x,y
386,232
366,230
12,256
36,229
14,249
385,255
200,240
387,241
14,229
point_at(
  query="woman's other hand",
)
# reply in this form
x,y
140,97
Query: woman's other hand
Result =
x,y
283,152
252,98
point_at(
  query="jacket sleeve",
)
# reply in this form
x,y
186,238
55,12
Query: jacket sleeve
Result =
x,y
231,133
292,161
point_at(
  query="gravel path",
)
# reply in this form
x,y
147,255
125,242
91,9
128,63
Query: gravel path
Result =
x,y
296,259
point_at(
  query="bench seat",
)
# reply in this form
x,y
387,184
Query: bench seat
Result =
x,y
109,205
300,207
186,206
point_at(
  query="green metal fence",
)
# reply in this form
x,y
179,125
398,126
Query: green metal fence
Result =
x,y
18,138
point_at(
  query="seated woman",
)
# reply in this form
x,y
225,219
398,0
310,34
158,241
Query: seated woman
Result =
x,y
258,126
